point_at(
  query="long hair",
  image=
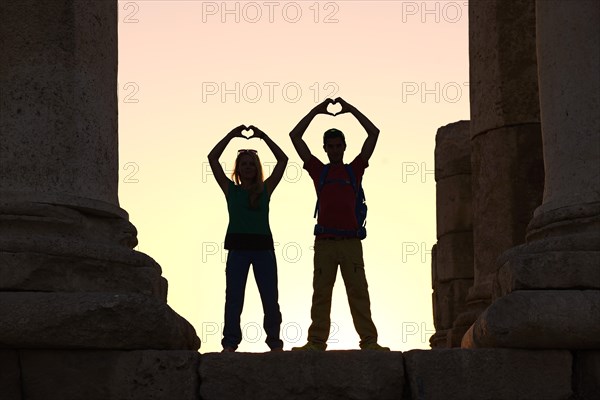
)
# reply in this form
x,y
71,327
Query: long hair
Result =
x,y
256,186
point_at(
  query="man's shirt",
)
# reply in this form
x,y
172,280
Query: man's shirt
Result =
x,y
337,200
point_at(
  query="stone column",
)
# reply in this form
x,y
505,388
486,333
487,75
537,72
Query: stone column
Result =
x,y
69,277
550,286
452,255
507,166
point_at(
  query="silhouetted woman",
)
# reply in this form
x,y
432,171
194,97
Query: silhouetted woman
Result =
x,y
248,237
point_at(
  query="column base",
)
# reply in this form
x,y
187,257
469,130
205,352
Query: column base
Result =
x,y
549,270
539,319
51,248
551,219
33,320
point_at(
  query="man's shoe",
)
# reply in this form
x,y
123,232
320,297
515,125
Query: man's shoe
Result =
x,y
311,346
277,350
375,346
228,350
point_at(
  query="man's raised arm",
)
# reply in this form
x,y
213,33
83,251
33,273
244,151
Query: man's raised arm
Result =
x,y
296,133
372,131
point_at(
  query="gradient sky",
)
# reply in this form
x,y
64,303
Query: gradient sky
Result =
x,y
190,71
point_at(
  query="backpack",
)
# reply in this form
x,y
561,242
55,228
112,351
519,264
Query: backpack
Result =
x,y
360,207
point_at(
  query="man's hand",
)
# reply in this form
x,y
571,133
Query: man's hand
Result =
x,y
321,108
346,107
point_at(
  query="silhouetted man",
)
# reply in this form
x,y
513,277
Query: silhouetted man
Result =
x,y
336,240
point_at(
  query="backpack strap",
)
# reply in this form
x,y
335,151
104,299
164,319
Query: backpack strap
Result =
x,y
350,173
322,178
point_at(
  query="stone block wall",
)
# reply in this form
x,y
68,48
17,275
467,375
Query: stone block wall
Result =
x,y
452,255
461,374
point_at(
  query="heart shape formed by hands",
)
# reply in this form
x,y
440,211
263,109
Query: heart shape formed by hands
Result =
x,y
248,133
334,108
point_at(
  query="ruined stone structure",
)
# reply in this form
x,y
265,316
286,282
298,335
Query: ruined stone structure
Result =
x,y
547,291
69,277
83,316
452,256
506,145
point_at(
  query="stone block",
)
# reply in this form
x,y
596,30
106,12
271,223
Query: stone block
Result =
x,y
549,270
454,205
539,319
434,277
439,339
449,300
110,375
488,374
10,375
468,317
455,256
91,321
455,335
453,150
586,374
331,375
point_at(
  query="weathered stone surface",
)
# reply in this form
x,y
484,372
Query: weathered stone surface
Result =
x,y
331,375
110,375
447,338
59,104
439,339
539,319
586,241
507,186
488,374
455,256
453,150
467,318
434,277
45,273
568,35
550,270
455,335
576,219
503,65
91,321
454,205
449,301
69,247
506,153
10,375
53,248
40,220
586,374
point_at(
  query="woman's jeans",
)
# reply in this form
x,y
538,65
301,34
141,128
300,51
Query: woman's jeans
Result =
x,y
264,266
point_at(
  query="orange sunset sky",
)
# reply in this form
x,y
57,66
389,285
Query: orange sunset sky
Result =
x,y
189,71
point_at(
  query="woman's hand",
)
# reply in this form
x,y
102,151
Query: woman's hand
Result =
x,y
256,133
237,132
